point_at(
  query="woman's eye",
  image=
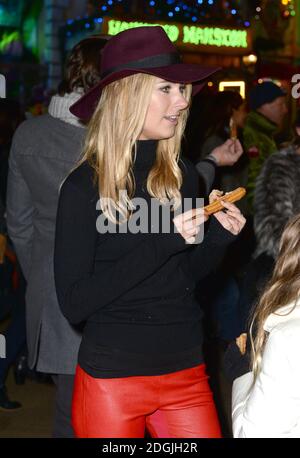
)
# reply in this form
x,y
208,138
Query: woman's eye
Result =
x,y
165,89
182,89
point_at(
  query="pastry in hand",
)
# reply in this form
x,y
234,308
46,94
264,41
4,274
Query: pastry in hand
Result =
x,y
231,196
241,342
214,195
233,129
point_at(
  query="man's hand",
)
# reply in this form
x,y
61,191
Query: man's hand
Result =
x,y
228,153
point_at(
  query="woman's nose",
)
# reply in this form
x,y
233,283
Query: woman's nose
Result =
x,y
182,103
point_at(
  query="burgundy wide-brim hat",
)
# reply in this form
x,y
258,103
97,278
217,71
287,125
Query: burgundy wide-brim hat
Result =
x,y
141,50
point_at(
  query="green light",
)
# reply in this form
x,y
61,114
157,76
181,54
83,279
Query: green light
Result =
x,y
205,36
115,27
7,39
214,36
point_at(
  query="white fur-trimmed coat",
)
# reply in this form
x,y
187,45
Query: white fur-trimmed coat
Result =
x,y
270,407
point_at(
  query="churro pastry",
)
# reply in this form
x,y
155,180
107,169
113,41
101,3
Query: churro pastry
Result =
x,y
231,196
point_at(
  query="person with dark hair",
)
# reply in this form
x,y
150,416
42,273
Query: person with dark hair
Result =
x,y
82,71
268,109
226,108
225,119
44,150
127,271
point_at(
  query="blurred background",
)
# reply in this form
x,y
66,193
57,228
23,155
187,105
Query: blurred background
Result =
x,y
250,39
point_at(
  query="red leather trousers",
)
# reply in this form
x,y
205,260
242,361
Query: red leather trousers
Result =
x,y
179,404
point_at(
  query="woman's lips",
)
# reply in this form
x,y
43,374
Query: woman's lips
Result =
x,y
172,119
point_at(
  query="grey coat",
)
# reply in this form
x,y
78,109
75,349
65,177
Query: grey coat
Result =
x,y
276,199
44,151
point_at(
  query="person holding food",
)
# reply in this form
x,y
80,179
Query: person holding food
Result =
x,y
141,351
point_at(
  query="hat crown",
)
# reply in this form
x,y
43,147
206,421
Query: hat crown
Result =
x,y
265,92
135,44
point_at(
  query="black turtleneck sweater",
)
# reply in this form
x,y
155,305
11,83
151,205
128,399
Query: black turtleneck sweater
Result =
x,y
135,292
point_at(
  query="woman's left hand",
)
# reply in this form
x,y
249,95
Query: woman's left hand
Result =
x,y
231,219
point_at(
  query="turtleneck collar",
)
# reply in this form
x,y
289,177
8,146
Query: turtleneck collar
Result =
x,y
145,154
59,107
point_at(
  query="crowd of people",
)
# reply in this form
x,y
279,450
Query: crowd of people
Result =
x,y
121,298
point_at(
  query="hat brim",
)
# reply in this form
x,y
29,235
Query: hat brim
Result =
x,y
177,73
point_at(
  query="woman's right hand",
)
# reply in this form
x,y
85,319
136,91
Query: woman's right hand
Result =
x,y
188,223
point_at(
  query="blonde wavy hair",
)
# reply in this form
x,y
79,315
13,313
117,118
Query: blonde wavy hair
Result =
x,y
110,146
282,289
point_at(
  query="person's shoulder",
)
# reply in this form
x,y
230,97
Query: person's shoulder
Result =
x,y
41,126
289,329
286,335
187,167
82,179
30,130
283,344
33,123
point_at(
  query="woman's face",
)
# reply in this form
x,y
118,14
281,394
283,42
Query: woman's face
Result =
x,y
166,104
239,115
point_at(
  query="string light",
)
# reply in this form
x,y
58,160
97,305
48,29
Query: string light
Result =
x,y
210,11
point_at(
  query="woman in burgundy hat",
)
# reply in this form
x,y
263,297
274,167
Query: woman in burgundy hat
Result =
x,y
128,271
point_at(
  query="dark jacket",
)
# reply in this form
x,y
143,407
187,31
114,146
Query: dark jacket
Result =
x,y
44,151
259,144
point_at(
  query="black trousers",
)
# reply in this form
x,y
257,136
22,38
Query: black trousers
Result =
x,y
15,334
62,427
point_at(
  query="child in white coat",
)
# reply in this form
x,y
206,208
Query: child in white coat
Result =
x,y
266,401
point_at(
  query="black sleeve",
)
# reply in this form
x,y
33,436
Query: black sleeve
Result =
x,y
206,256
206,169
84,284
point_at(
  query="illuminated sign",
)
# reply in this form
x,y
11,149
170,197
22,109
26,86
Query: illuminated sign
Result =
x,y
205,38
115,27
238,86
215,36
9,39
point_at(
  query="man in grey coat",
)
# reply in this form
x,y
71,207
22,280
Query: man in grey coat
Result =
x,y
44,151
